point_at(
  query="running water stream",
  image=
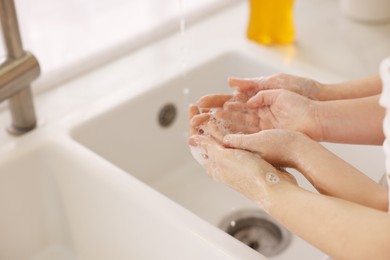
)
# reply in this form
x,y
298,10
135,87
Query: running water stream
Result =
x,y
183,58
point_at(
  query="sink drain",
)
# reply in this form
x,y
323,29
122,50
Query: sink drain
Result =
x,y
258,230
167,115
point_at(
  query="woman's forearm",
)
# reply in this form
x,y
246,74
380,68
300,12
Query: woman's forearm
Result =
x,y
342,229
369,86
354,121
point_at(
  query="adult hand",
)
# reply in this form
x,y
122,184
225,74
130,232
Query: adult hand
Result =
x,y
246,88
268,109
303,86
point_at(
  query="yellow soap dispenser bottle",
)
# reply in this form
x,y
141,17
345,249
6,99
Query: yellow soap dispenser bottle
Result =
x,y
271,21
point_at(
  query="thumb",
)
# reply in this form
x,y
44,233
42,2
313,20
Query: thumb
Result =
x,y
263,98
245,84
240,141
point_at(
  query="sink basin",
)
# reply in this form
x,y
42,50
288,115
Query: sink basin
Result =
x,y
59,201
108,173
131,136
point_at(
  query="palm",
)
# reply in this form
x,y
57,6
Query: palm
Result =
x,y
288,111
283,110
269,109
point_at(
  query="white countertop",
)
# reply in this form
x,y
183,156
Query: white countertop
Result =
x,y
326,38
71,37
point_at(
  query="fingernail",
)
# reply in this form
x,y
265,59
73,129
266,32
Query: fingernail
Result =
x,y
200,131
192,141
227,140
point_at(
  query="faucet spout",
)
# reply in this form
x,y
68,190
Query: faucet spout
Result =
x,y
16,73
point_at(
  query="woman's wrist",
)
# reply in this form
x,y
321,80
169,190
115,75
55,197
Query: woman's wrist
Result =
x,y
328,92
349,89
340,121
315,129
323,92
317,90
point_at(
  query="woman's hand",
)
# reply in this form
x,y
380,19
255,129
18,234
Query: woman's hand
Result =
x,y
286,110
303,86
310,88
246,88
268,109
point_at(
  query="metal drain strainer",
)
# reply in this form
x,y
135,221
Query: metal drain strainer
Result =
x,y
258,230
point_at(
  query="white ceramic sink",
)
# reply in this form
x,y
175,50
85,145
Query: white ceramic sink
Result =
x,y
59,201
123,187
129,136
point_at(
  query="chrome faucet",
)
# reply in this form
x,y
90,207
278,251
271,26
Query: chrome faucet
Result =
x,y
18,70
